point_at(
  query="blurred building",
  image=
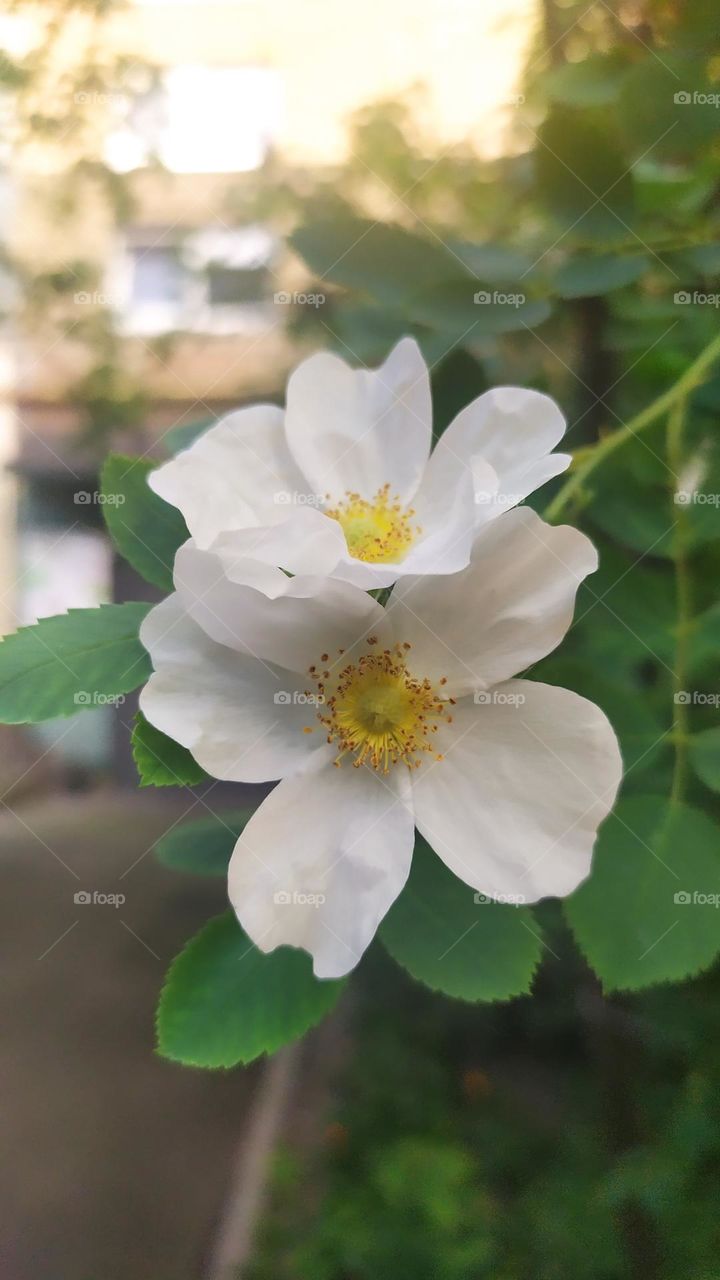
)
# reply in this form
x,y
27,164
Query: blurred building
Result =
x,y
191,282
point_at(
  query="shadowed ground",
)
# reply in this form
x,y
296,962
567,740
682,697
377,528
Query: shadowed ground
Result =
x,y
114,1162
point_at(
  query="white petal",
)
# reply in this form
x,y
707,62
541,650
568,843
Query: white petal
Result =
x,y
322,861
243,721
358,429
237,474
256,609
305,542
512,430
514,807
509,608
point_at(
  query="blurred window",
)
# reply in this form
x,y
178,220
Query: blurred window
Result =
x,y
200,120
215,280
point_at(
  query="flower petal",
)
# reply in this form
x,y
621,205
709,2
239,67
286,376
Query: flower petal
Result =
x,y
509,608
256,609
242,720
322,861
358,429
513,430
514,807
237,474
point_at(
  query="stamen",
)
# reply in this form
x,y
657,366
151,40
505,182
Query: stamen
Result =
x,y
378,712
380,531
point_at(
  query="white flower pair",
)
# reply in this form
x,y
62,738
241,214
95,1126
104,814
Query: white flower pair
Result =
x,y
378,719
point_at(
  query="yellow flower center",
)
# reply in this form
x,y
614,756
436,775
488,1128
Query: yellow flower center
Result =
x,y
380,531
377,711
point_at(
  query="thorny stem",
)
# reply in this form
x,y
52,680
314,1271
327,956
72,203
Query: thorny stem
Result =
x,y
683,589
692,377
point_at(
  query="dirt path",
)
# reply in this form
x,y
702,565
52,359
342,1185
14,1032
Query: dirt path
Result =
x,y
114,1163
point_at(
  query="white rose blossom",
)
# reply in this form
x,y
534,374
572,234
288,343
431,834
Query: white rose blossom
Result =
x,y
379,720
344,483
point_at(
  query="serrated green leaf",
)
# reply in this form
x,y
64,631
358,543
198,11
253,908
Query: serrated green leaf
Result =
x,y
146,530
632,917
160,761
60,665
203,848
226,1003
705,757
379,258
457,942
590,275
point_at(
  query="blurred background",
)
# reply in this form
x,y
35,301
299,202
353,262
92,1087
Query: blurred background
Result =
x,y
193,196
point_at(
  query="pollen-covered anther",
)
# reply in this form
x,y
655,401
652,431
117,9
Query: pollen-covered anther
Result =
x,y
380,714
380,530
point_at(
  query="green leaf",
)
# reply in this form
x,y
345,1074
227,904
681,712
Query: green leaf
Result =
x,y
455,940
587,276
84,658
666,105
583,177
203,848
146,530
705,757
594,82
632,918
492,263
460,308
225,1002
160,761
379,258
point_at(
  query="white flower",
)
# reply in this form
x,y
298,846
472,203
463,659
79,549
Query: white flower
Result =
x,y
379,720
343,483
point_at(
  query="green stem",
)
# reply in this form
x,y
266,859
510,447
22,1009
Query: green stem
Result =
x,y
683,590
679,392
